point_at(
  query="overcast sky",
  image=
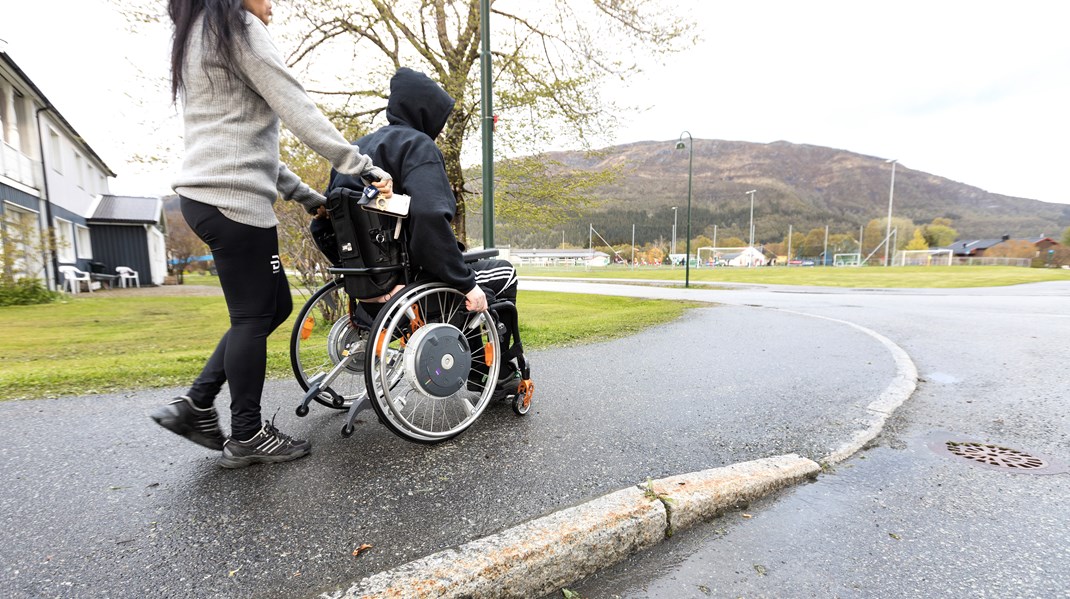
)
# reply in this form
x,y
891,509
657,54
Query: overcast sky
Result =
x,y
976,91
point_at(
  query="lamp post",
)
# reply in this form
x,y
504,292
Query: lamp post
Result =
x,y
485,84
690,159
888,228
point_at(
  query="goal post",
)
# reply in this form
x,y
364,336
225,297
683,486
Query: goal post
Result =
x,y
851,259
942,257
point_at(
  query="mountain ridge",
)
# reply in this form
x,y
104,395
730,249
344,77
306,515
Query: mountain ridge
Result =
x,y
800,185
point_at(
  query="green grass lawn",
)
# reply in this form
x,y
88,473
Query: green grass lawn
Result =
x,y
870,276
90,344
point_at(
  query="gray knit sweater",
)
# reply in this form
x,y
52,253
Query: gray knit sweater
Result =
x,y
232,130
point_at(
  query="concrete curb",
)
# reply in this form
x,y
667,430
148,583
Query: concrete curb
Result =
x,y
547,553
899,390
542,555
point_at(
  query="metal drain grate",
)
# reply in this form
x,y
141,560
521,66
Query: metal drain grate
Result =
x,y
995,455
992,456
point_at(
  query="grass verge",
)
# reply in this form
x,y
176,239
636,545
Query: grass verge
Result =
x,y
89,344
933,277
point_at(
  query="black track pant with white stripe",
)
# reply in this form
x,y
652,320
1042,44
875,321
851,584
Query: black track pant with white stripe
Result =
x,y
496,277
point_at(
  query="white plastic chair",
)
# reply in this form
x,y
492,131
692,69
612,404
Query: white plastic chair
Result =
x,y
127,274
72,278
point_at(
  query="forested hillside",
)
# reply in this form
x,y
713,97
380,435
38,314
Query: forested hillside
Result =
x,y
803,186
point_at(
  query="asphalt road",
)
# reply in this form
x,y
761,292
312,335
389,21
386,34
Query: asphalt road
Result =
x,y
903,518
97,501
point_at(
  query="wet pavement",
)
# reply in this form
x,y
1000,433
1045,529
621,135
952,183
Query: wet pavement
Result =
x,y
98,501
906,518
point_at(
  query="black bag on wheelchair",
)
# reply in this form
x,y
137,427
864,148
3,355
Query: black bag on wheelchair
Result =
x,y
366,240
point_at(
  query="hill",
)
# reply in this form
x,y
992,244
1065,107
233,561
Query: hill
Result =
x,y
800,185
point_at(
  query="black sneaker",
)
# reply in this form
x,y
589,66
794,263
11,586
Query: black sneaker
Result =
x,y
268,446
183,418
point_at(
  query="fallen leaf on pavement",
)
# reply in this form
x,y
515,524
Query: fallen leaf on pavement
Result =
x,y
361,549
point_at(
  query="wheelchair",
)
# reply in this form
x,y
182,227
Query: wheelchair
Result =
x,y
425,365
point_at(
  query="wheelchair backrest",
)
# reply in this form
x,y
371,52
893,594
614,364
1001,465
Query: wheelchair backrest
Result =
x,y
366,241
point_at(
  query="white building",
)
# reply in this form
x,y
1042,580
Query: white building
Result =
x,y
49,176
586,258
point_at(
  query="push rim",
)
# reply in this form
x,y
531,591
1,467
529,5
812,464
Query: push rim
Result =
x,y
403,408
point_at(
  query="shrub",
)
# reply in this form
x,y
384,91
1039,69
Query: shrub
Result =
x,y
24,292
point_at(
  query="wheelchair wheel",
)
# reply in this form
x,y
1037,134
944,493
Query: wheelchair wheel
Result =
x,y
432,364
322,336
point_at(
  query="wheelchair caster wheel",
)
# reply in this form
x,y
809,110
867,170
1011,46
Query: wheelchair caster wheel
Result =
x,y
347,430
302,411
524,392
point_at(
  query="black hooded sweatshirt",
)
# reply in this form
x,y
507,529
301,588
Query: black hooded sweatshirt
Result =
x,y
417,111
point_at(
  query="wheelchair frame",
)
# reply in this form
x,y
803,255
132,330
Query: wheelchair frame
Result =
x,y
432,370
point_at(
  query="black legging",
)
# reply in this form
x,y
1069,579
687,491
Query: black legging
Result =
x,y
258,300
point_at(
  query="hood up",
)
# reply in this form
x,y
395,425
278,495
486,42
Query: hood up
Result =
x,y
418,102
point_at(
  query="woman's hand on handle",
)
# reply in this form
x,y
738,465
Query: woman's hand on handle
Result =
x,y
385,187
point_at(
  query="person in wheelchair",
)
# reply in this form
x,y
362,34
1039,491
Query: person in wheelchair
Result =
x,y
417,111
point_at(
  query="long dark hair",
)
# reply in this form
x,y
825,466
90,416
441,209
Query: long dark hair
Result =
x,y
223,19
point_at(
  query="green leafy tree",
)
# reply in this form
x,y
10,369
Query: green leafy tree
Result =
x,y
1066,237
700,241
536,193
939,233
731,242
549,62
814,243
875,233
918,241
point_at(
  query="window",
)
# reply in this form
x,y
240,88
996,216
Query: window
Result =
x,y
54,145
85,243
23,118
23,241
64,240
79,169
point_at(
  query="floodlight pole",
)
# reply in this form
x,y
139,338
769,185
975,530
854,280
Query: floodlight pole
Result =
x,y
888,228
751,194
673,250
751,243
790,231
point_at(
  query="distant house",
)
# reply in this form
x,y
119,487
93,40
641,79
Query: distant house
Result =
x,y
129,231
976,248
49,178
559,257
1043,244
